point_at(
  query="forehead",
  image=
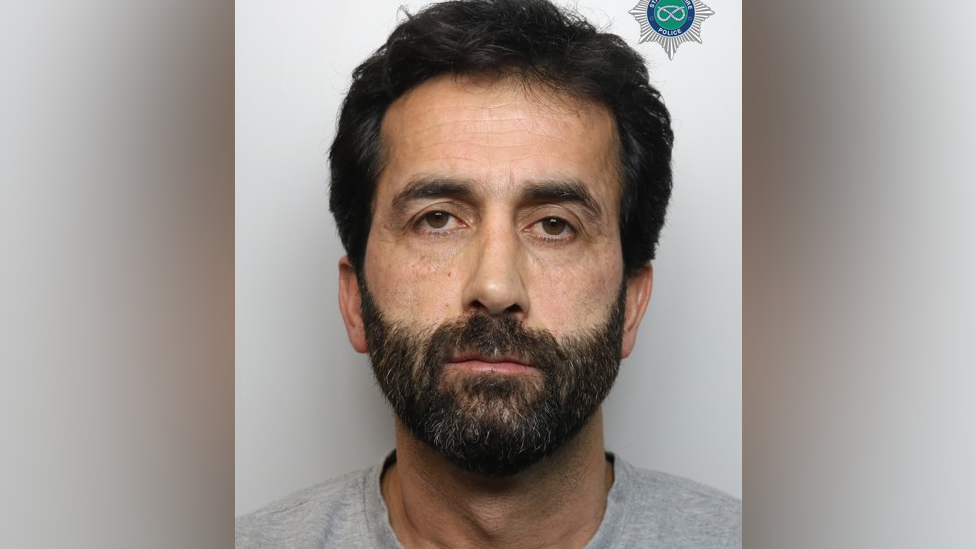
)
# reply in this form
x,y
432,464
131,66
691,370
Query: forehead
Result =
x,y
500,134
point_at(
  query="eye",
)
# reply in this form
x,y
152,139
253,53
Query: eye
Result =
x,y
552,229
554,226
437,219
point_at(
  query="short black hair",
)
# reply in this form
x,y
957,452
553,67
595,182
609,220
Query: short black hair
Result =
x,y
537,42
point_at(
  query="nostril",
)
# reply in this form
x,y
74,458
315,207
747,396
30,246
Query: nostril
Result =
x,y
480,307
495,287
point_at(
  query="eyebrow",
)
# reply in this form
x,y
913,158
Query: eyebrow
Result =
x,y
562,190
432,187
555,190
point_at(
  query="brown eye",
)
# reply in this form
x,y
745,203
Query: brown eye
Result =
x,y
437,220
553,226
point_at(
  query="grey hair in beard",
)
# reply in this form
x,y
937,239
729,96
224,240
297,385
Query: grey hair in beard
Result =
x,y
493,424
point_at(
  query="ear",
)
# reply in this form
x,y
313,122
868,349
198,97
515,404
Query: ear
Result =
x,y
350,304
638,293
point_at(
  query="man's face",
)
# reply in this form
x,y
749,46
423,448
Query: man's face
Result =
x,y
494,307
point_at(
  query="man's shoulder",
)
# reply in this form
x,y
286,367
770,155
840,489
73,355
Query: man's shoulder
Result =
x,y
682,511
331,511
653,488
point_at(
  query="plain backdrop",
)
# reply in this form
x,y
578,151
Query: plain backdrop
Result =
x,y
306,405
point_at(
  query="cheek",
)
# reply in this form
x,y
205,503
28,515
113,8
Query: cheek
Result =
x,y
412,285
568,298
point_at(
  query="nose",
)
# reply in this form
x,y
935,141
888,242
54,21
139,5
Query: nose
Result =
x,y
495,284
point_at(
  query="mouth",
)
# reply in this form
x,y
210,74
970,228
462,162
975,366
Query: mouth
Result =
x,y
477,363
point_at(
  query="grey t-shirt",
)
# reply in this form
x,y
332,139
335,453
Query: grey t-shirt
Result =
x,y
644,509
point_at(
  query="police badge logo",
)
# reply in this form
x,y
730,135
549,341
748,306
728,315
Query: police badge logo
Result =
x,y
671,22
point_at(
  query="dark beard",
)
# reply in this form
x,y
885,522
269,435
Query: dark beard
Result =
x,y
493,424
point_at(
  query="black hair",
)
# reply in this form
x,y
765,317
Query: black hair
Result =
x,y
536,42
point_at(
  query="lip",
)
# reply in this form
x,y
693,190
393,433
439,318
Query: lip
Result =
x,y
498,364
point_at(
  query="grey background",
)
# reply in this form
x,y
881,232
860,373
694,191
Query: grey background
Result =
x,y
306,408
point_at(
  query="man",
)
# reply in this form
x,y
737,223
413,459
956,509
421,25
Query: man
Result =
x,y
500,175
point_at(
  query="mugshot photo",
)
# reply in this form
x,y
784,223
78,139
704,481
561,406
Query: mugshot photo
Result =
x,y
488,274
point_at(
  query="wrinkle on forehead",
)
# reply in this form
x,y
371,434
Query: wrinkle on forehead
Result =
x,y
500,117
493,93
495,109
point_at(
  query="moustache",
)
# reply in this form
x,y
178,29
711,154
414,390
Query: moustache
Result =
x,y
494,337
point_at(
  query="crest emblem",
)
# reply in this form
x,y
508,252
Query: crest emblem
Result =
x,y
671,22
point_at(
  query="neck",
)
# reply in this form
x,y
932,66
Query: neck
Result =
x,y
557,502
